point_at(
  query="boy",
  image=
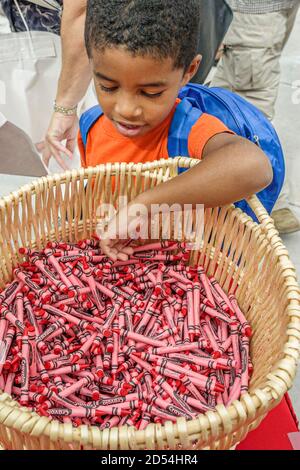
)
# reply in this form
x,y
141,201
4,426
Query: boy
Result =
x,y
142,52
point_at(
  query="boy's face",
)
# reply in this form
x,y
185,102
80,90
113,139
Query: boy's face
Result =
x,y
137,93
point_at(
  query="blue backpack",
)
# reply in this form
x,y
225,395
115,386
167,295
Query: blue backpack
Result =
x,y
236,113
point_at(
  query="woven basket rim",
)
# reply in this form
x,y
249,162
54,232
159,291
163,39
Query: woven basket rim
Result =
x,y
255,401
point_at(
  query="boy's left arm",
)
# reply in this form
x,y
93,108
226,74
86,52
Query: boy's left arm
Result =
x,y
232,168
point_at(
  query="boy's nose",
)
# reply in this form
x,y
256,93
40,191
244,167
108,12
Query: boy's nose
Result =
x,y
127,108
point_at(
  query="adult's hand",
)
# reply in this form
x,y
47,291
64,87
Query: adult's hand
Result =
x,y
62,129
75,77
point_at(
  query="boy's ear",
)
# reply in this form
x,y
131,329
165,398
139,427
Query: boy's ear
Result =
x,y
192,69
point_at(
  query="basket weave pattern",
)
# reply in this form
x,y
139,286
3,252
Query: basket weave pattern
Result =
x,y
246,258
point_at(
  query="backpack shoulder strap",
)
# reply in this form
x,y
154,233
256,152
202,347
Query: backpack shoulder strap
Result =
x,y
186,115
87,120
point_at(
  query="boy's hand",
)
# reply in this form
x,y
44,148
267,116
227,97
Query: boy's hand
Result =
x,y
128,224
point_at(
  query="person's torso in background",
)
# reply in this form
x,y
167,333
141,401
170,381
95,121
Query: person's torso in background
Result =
x,y
38,18
261,6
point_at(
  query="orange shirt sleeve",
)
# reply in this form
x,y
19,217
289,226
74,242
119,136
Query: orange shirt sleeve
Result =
x,y
81,150
205,128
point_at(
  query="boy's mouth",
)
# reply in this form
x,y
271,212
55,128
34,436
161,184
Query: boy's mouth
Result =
x,y
128,130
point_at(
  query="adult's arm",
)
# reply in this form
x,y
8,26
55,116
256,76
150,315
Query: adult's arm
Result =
x,y
73,83
75,73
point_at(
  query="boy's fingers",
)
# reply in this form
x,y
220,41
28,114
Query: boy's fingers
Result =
x,y
122,256
108,250
112,255
123,248
128,250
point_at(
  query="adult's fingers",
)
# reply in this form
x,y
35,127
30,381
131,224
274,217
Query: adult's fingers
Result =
x,y
40,146
61,161
55,144
70,145
46,155
52,152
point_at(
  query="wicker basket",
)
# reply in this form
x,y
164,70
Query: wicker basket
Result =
x,y
246,257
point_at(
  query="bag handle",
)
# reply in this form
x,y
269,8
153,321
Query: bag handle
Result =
x,y
26,26
22,17
50,4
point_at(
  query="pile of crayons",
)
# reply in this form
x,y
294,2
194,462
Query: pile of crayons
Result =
x,y
87,340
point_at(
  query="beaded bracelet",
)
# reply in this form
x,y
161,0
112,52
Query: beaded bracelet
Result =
x,y
63,110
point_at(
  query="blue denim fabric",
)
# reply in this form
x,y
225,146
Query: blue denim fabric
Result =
x,y
37,18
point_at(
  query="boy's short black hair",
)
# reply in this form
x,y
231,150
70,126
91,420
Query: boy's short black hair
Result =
x,y
162,28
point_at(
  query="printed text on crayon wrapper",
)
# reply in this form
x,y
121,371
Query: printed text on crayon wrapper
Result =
x,y
185,224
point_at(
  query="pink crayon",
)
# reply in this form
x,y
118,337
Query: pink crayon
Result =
x,y
190,315
202,344
3,328
77,386
222,295
12,319
235,344
214,313
207,286
8,294
196,295
46,271
5,347
155,246
25,373
141,338
246,328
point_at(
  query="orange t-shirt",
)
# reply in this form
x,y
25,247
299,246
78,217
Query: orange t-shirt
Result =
x,y
106,145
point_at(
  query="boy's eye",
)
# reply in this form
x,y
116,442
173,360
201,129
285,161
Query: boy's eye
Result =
x,y
152,95
108,89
